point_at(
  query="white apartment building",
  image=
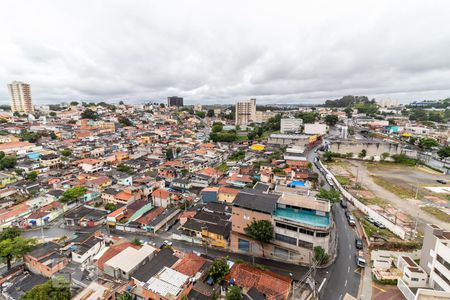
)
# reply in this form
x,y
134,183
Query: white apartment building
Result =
x,y
245,112
20,95
316,128
291,125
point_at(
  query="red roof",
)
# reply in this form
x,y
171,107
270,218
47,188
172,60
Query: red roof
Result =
x,y
160,193
190,264
272,285
113,251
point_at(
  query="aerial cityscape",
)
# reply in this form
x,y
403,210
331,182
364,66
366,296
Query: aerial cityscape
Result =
x,y
138,161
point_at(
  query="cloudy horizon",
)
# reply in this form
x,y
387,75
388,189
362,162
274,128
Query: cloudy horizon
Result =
x,y
277,52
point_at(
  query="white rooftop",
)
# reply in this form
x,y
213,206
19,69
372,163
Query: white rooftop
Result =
x,y
130,258
167,282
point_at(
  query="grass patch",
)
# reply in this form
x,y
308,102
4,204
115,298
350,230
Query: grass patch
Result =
x,y
374,201
223,167
242,138
342,179
395,189
371,229
436,212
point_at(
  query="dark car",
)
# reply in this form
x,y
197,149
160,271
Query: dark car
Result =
x,y
343,203
358,243
347,214
379,225
441,181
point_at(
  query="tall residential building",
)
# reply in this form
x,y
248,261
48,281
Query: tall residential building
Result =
x,y
175,101
20,94
245,112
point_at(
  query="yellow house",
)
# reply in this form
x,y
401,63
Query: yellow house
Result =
x,y
121,155
214,238
227,194
6,179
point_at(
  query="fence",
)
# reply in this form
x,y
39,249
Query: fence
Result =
x,y
397,230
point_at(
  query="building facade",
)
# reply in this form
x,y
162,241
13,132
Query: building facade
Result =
x,y
175,101
291,125
20,95
245,112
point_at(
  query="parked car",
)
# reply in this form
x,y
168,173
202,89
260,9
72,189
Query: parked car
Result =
x,y
441,181
379,225
347,214
351,221
358,243
360,260
370,219
343,203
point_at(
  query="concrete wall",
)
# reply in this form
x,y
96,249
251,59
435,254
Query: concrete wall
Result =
x,y
397,230
372,149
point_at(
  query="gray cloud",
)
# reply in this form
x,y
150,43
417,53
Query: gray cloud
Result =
x,y
290,51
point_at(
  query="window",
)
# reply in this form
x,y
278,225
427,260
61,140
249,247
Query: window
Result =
x,y
286,226
243,245
305,244
285,239
414,279
322,234
308,232
446,280
446,264
281,253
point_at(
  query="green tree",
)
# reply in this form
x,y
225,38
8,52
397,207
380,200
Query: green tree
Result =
x,y
363,153
427,143
217,127
124,121
52,114
32,176
234,293
348,112
136,242
110,206
219,269
327,156
124,168
261,230
385,155
444,152
169,154
200,114
10,233
331,120
124,296
210,113
331,195
7,162
89,114
66,152
74,103
73,194
320,256
53,289
15,248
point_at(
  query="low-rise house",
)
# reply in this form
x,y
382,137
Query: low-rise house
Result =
x,y
227,194
50,160
85,247
90,165
128,261
85,216
45,259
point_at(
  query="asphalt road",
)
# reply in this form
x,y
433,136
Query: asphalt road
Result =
x,y
342,276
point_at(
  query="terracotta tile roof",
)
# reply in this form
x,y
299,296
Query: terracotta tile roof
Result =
x,y
113,251
160,193
228,190
151,215
90,161
241,178
274,286
15,145
190,264
117,212
208,145
124,196
209,171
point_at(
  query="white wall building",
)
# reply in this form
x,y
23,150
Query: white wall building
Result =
x,y
245,112
316,128
291,125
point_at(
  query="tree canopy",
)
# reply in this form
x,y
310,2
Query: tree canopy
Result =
x,y
73,194
331,195
219,269
261,230
444,152
53,289
234,293
428,143
89,114
331,120
12,245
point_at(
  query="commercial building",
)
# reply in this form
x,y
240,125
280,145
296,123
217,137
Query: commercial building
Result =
x,y
316,128
291,125
300,222
175,101
245,112
20,94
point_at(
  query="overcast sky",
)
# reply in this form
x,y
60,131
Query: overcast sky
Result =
x,y
277,51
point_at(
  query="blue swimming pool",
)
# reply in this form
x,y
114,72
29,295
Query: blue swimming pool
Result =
x,y
303,216
297,183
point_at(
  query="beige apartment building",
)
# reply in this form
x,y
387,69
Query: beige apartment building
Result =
x,y
245,112
20,95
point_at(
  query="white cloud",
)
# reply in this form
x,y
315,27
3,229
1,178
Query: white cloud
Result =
x,y
288,51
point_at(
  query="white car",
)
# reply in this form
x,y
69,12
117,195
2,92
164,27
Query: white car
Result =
x,y
167,243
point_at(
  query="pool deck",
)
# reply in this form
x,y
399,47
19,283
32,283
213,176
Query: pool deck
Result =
x,y
305,217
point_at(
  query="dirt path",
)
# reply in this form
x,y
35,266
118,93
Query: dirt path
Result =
x,y
409,206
